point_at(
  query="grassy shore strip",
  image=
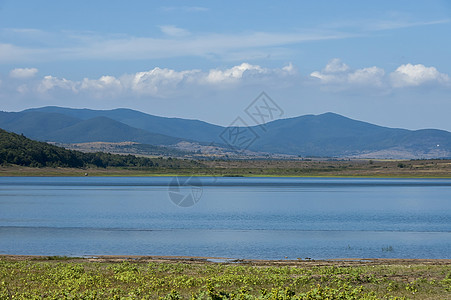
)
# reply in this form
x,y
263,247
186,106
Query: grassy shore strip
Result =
x,y
110,277
117,172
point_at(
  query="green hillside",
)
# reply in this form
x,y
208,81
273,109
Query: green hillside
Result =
x,y
18,150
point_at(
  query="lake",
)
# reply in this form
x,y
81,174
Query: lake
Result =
x,y
260,218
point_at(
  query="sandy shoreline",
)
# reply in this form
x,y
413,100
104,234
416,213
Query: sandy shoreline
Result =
x,y
223,260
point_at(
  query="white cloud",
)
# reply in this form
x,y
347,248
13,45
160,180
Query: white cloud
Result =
x,y
158,82
23,73
51,83
174,31
289,69
336,66
338,73
333,72
415,75
102,87
248,73
234,73
104,82
325,78
367,76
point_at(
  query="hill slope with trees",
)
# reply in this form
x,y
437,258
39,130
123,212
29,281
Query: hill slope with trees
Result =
x,y
18,150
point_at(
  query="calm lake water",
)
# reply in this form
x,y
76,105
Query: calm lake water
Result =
x,y
265,218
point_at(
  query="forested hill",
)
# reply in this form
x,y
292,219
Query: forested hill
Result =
x,y
326,135
19,150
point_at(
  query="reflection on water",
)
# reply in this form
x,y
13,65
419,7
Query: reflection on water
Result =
x,y
236,217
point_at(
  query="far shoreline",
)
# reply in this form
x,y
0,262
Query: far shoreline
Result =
x,y
72,172
331,168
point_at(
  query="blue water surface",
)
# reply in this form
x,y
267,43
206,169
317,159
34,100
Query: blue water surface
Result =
x,y
260,218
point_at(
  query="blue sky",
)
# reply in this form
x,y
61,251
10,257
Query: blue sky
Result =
x,y
386,62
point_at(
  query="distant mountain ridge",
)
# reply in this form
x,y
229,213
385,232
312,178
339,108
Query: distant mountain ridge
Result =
x,y
327,134
64,128
176,127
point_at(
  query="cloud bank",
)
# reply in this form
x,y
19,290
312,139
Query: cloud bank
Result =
x,y
157,82
339,75
166,83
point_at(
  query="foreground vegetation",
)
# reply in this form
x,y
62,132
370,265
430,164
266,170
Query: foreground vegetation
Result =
x,y
68,278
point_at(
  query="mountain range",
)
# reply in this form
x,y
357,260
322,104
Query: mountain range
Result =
x,y
326,135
